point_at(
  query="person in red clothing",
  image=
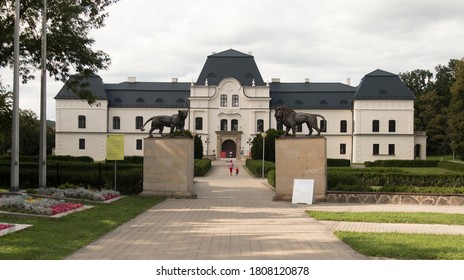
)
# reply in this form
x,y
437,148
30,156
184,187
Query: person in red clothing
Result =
x,y
236,171
231,167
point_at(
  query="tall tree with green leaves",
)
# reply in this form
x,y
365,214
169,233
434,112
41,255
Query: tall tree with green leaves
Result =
x,y
456,111
69,46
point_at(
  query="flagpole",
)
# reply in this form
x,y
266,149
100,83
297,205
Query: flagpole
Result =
x,y
43,103
14,187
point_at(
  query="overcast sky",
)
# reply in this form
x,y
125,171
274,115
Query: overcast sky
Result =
x,y
324,40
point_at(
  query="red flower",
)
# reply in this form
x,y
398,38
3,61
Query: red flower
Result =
x,y
3,226
65,207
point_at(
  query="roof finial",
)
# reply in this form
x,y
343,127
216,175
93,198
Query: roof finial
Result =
x,y
206,82
253,83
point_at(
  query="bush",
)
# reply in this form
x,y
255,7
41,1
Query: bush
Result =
x,y
271,178
402,163
202,166
256,167
338,162
454,166
335,179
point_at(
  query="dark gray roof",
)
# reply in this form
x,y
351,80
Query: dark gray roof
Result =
x,y
92,83
382,85
311,95
148,95
230,64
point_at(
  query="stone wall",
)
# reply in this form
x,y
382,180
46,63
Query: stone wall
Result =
x,y
395,198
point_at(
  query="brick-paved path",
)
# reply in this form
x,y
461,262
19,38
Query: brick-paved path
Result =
x,y
234,217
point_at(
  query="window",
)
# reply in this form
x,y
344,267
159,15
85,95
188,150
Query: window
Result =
x,y
81,144
235,100
375,126
138,122
343,126
223,125
391,149
81,123
234,125
323,125
342,149
223,100
375,149
198,123
116,123
260,125
391,126
138,144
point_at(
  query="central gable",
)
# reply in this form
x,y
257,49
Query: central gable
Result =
x,y
230,64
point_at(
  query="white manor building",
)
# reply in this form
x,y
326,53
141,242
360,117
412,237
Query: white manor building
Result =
x,y
230,104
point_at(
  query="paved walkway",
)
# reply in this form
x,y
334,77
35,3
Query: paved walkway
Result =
x,y
234,217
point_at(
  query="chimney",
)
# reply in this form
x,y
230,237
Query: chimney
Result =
x,y
131,80
275,80
174,80
307,80
348,81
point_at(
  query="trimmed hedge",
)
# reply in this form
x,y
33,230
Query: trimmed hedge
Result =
x,y
454,166
51,158
402,163
202,166
337,162
256,167
271,178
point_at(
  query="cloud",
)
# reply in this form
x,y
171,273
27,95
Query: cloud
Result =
x,y
327,41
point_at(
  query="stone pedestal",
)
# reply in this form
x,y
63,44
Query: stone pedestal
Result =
x,y
300,158
168,167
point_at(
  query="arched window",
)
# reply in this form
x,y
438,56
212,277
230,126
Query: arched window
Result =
x,y
391,126
159,101
117,100
375,126
198,123
323,102
223,100
234,125
298,102
260,125
235,102
180,101
223,125
343,126
140,100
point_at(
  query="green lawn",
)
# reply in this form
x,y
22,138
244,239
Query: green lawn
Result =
x,y
54,239
400,245
390,217
405,246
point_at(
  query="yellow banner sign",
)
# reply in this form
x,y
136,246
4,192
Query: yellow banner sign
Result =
x,y
115,147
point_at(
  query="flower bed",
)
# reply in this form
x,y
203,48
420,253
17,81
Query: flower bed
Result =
x,y
79,193
5,226
38,206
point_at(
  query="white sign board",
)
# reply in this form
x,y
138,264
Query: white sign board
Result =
x,y
303,191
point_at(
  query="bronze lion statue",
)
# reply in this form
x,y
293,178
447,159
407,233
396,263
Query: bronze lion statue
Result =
x,y
176,121
291,119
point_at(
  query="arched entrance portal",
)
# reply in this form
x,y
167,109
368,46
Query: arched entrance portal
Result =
x,y
228,144
229,148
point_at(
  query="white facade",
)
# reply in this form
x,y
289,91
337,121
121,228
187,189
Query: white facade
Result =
x,y
363,124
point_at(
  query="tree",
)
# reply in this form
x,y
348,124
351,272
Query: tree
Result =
x,y
69,47
198,147
456,111
269,143
6,100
